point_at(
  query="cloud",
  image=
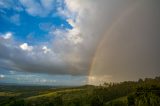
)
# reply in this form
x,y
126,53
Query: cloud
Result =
x,y
118,32
71,22
129,48
9,4
32,7
38,8
114,37
43,79
25,47
7,35
47,4
46,49
14,19
2,76
74,35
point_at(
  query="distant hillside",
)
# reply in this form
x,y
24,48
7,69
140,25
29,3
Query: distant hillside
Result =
x,y
144,92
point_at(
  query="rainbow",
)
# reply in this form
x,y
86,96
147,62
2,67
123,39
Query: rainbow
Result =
x,y
108,32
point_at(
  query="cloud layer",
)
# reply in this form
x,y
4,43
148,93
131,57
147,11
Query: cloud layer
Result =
x,y
130,47
127,32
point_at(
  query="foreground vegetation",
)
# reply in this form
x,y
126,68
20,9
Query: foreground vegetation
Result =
x,y
141,93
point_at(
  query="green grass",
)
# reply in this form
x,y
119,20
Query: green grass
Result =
x,y
53,93
10,94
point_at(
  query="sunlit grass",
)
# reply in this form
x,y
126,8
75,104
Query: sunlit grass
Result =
x,y
53,94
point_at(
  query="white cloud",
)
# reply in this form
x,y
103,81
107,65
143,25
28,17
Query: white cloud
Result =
x,y
10,4
2,76
74,35
35,8
48,4
26,47
32,7
74,6
7,35
45,49
71,22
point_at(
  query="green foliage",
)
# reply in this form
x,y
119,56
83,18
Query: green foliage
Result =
x,y
131,100
144,92
117,103
58,101
145,95
16,103
148,99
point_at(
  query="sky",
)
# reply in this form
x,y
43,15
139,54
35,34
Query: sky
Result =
x,y
77,42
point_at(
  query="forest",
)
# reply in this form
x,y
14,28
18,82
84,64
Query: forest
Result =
x,y
144,92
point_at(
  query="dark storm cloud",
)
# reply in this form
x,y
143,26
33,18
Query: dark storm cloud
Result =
x,y
130,48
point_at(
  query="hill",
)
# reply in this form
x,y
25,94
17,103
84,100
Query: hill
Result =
x,y
129,93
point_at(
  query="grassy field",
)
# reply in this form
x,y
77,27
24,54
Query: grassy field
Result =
x,y
31,94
